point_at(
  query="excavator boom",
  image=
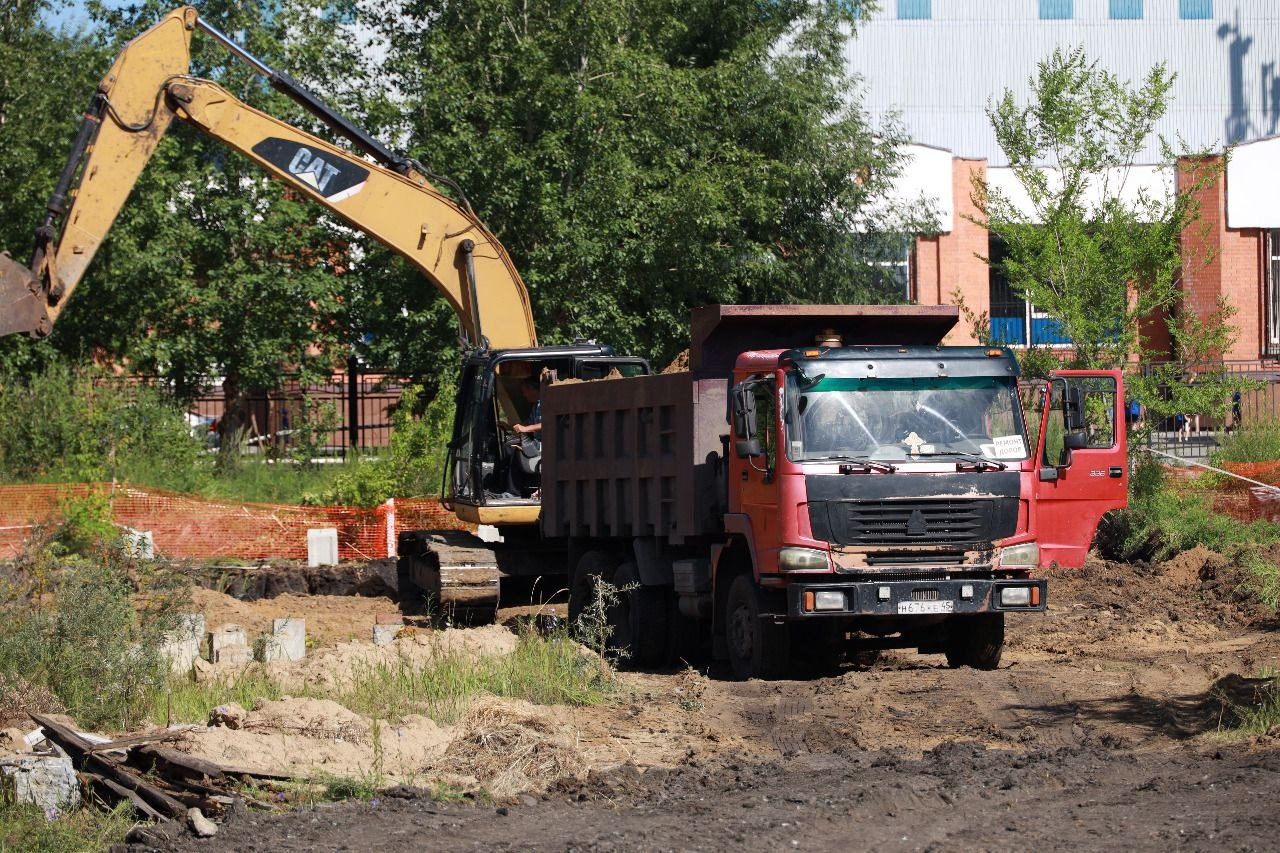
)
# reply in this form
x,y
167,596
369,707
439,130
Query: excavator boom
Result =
x,y
383,194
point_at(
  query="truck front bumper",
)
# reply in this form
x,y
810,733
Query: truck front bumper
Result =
x,y
916,598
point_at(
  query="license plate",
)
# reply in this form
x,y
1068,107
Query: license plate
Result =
x,y
919,607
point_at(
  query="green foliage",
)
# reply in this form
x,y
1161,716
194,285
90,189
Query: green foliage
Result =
x,y
62,424
550,670
26,827
1098,259
90,630
640,159
1256,442
86,523
1164,519
410,466
46,79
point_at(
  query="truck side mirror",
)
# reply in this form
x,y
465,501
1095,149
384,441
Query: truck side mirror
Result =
x,y
1075,440
748,448
1072,410
744,411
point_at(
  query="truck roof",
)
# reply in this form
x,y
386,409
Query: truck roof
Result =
x,y
718,333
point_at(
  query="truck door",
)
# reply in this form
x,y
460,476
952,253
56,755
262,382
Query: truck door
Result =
x,y
758,482
1083,464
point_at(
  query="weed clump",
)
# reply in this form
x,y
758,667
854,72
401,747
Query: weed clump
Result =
x,y
87,631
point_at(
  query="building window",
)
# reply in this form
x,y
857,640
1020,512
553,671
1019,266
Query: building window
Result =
x,y
1055,10
1272,289
1195,10
1014,321
1126,10
915,10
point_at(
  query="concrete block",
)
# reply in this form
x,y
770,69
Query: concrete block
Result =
x,y
229,644
141,542
48,781
234,654
322,546
488,533
385,634
182,645
288,640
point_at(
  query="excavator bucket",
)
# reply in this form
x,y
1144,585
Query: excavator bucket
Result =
x,y
23,307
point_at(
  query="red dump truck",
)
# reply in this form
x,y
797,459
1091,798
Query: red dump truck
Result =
x,y
825,479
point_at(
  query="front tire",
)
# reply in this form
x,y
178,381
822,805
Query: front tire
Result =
x,y
975,641
757,649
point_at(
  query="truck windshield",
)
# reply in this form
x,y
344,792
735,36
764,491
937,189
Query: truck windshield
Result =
x,y
901,419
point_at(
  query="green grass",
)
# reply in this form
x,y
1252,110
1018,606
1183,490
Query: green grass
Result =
x,y
1258,442
1257,718
25,827
259,481
543,670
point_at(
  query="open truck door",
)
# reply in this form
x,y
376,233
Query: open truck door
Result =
x,y
1083,461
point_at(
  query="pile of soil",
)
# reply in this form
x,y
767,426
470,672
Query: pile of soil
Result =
x,y
339,666
680,364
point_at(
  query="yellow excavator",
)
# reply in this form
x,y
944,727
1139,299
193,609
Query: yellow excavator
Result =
x,y
379,191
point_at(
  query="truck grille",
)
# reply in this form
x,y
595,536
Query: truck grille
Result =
x,y
911,522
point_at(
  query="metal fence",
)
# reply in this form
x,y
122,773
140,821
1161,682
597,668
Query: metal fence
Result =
x,y
1195,435
342,412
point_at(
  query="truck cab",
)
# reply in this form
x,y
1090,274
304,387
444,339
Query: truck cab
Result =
x,y
904,493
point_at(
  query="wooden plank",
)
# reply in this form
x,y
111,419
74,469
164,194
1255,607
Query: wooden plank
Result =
x,y
171,763
122,793
137,740
104,766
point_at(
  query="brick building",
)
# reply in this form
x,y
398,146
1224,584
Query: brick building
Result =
x,y
1226,98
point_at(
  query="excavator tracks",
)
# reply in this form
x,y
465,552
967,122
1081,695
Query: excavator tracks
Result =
x,y
449,574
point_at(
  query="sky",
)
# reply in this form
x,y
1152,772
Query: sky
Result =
x,y
72,15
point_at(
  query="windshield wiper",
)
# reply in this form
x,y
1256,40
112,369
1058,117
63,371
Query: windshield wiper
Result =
x,y
852,462
980,461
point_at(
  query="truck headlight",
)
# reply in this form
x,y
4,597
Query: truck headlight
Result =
x,y
1016,596
1025,554
803,560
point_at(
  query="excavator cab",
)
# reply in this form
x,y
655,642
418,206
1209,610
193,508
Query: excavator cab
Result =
x,y
493,469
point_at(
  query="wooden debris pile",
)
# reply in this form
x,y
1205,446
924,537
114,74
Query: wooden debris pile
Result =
x,y
160,783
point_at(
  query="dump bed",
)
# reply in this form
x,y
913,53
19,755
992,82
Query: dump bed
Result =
x,y
633,457
642,456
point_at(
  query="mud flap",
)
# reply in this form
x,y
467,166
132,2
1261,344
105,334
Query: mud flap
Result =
x,y
23,307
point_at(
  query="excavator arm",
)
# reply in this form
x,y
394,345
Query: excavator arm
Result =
x,y
383,194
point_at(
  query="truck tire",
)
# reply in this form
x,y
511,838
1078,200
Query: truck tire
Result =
x,y
582,584
757,649
640,619
976,641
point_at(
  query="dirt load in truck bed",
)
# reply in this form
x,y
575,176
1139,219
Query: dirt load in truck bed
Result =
x,y
1102,728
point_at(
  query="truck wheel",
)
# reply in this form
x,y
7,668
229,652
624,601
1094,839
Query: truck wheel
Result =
x,y
639,619
756,649
582,586
976,641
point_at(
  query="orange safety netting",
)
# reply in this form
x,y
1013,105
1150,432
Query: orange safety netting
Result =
x,y
1246,501
192,526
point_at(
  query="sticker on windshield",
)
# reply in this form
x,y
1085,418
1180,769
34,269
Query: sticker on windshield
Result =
x,y
1009,447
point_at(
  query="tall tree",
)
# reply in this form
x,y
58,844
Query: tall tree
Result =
x,y
46,77
639,158
1096,255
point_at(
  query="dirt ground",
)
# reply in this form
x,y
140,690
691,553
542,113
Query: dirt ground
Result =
x,y
1101,729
